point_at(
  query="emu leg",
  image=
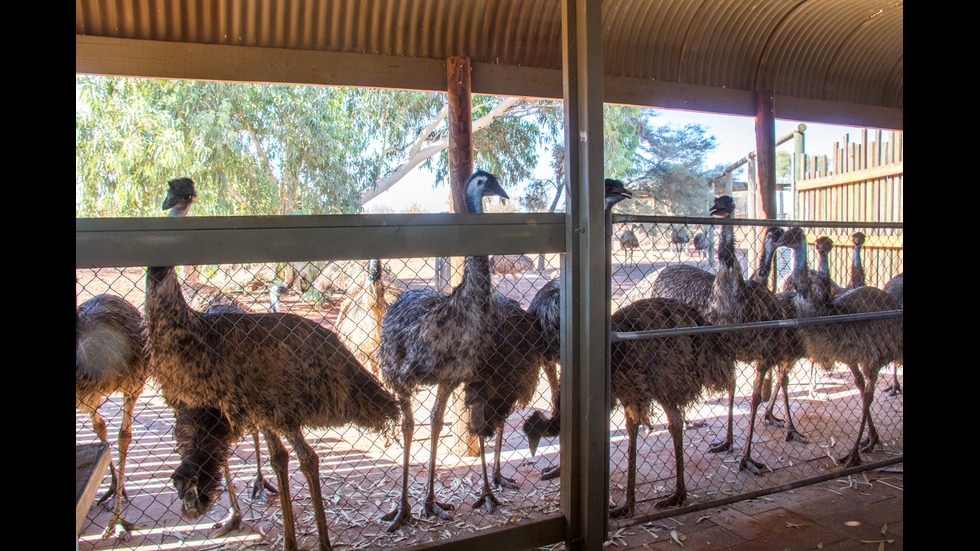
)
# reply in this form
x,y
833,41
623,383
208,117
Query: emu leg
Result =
x,y
791,432
726,444
895,388
487,500
235,513
769,417
279,460
499,480
747,462
873,439
309,465
675,425
431,506
853,458
626,510
551,374
125,438
260,485
402,513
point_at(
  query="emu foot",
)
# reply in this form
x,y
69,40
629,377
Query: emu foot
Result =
x,y
397,518
723,446
233,522
501,481
437,509
691,425
752,466
117,521
771,419
259,488
793,434
869,444
852,459
673,500
487,501
623,511
550,472
894,389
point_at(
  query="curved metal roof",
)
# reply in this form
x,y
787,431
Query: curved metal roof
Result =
x,y
695,54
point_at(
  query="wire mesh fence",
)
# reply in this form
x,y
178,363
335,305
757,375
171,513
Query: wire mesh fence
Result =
x,y
360,469
360,466
803,428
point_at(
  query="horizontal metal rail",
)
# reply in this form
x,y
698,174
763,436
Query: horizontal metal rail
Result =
x,y
710,220
160,241
617,336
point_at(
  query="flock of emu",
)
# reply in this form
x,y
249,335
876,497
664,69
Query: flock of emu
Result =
x,y
227,372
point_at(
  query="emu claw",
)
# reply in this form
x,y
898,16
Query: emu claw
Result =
x,y
751,465
673,500
233,523
794,435
771,419
441,510
723,446
487,501
259,488
398,517
623,511
550,472
501,481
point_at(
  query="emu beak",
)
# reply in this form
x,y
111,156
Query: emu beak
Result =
x,y
532,443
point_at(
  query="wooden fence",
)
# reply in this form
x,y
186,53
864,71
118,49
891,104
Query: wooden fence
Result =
x,y
859,182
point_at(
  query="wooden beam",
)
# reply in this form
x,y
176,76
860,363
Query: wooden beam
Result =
x,y
765,140
460,122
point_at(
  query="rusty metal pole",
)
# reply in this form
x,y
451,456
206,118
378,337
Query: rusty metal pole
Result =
x,y
460,167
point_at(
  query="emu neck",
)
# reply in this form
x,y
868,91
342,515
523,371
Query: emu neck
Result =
x,y
476,284
762,272
857,270
179,210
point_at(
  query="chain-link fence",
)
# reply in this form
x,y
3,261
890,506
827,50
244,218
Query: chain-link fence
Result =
x,y
360,468
803,428
360,456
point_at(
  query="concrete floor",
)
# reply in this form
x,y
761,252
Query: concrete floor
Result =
x,y
859,512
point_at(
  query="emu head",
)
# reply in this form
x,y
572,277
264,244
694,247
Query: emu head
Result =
x,y
204,437
615,191
857,238
197,489
487,411
479,185
180,196
723,207
536,426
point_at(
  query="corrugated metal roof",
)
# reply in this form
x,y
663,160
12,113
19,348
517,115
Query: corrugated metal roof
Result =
x,y
848,51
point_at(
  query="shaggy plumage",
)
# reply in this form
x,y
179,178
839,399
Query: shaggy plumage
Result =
x,y
277,372
726,298
895,288
110,356
671,371
428,338
864,346
546,307
360,315
507,378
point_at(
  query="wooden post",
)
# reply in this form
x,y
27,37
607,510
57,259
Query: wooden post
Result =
x,y
765,140
460,167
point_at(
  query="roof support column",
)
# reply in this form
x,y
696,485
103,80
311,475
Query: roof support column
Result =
x,y
765,147
585,285
460,168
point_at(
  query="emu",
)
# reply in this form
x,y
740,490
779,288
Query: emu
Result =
x,y
864,346
277,372
110,356
428,338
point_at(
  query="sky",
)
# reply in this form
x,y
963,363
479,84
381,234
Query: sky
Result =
x,y
734,136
